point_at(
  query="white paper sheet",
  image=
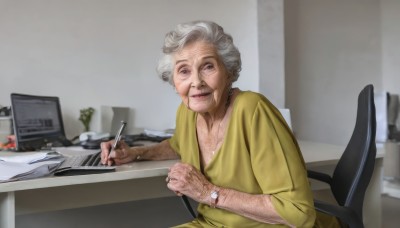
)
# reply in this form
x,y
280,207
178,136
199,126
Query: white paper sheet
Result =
x,y
12,171
31,158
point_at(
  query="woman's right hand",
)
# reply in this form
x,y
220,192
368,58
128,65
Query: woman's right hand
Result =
x,y
122,153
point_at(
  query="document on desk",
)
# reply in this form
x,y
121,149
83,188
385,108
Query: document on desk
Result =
x,y
23,167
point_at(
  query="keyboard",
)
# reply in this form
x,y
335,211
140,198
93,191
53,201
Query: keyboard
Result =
x,y
82,160
83,164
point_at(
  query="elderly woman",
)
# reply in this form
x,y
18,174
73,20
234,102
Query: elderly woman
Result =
x,y
239,159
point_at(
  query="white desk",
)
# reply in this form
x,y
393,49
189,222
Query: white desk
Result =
x,y
136,181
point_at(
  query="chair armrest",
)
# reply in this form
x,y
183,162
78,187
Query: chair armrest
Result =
x,y
319,176
345,214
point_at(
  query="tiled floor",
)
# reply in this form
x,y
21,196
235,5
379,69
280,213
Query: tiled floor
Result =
x,y
390,212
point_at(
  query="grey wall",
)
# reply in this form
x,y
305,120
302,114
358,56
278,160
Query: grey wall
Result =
x,y
333,49
390,30
271,50
103,52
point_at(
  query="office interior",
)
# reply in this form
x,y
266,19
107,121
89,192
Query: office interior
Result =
x,y
310,56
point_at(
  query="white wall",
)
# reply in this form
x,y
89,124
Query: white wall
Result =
x,y
271,50
390,17
333,49
103,52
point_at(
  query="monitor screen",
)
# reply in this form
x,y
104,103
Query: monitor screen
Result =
x,y
37,121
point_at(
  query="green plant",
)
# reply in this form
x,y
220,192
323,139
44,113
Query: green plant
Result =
x,y
85,117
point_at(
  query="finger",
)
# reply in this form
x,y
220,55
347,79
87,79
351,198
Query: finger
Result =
x,y
172,185
110,158
104,152
178,193
103,159
110,161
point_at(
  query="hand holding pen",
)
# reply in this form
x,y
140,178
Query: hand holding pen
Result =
x,y
105,146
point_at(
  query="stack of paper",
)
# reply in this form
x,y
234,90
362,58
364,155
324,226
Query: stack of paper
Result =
x,y
23,167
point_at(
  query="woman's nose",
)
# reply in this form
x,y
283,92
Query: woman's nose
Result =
x,y
197,80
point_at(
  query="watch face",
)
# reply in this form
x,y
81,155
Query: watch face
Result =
x,y
214,194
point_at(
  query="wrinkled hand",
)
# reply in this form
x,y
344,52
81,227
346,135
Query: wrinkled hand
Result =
x,y
184,179
122,153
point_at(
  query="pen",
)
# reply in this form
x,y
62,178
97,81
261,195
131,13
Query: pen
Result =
x,y
117,137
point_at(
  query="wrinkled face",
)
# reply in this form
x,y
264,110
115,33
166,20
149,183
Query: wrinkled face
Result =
x,y
200,78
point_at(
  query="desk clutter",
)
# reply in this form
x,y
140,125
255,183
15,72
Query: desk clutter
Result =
x,y
81,159
59,162
33,127
131,140
28,166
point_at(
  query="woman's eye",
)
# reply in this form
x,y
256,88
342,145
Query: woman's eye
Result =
x,y
208,67
183,71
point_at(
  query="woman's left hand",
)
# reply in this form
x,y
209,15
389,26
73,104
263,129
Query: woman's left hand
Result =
x,y
184,179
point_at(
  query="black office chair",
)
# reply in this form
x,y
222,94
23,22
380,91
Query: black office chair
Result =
x,y
188,206
353,172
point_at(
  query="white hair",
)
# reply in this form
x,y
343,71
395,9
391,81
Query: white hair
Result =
x,y
207,31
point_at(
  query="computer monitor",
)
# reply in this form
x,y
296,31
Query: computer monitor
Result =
x,y
37,122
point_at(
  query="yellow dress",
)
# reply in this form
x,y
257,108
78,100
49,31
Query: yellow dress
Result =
x,y
259,155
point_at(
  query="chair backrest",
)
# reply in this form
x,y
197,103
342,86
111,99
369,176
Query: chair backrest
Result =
x,y
354,169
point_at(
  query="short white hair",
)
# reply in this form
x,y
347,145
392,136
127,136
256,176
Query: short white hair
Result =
x,y
208,31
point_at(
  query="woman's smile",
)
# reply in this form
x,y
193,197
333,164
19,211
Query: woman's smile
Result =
x,y
201,95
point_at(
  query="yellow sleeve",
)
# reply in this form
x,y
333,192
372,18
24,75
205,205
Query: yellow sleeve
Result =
x,y
279,166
